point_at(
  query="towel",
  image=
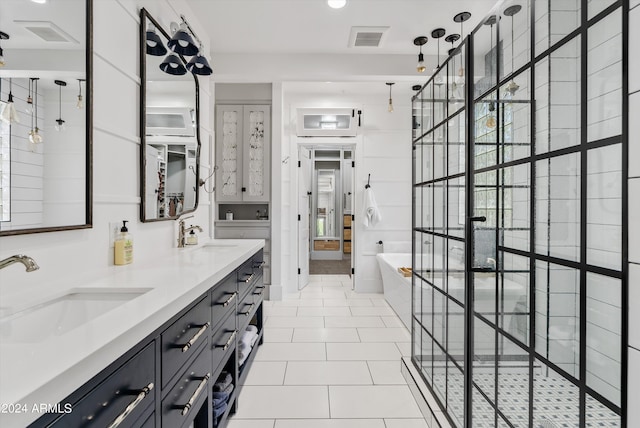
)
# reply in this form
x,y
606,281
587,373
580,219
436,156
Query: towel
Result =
x,y
224,380
371,215
218,411
225,393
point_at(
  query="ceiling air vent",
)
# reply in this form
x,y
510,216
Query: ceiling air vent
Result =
x,y
47,31
370,37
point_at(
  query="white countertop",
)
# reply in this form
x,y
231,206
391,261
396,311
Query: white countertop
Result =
x,y
48,369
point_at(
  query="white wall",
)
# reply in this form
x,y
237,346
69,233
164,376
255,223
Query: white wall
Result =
x,y
116,147
383,149
634,214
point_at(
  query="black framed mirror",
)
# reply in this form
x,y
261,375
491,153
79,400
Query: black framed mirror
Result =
x,y
46,116
169,127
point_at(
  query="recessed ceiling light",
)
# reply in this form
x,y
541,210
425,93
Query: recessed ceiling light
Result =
x,y
39,1
337,4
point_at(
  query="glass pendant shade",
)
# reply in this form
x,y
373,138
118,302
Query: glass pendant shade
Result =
x,y
199,65
9,114
80,103
154,44
35,137
60,125
173,65
182,43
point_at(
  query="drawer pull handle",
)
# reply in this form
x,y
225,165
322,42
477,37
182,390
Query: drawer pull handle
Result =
x,y
127,411
194,397
259,290
229,342
229,300
248,279
249,310
259,265
193,340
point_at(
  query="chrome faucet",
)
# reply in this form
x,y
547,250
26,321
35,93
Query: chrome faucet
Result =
x,y
27,261
182,231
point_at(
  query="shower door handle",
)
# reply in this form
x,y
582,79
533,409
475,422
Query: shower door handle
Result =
x,y
480,219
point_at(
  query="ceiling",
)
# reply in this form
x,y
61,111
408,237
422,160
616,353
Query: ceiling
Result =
x,y
306,40
311,26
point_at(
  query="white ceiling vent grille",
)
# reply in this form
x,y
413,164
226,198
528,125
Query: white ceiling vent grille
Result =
x,y
370,37
47,31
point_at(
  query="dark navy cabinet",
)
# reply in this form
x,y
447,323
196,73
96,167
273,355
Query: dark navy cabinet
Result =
x,y
172,378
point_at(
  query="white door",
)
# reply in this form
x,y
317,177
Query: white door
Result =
x,y
304,199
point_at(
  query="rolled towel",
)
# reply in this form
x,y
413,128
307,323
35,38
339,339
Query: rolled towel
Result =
x,y
252,328
248,337
218,401
219,411
242,356
223,394
224,380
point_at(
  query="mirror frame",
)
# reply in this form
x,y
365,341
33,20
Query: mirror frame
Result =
x,y
88,137
145,18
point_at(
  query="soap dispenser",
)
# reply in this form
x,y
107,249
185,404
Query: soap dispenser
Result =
x,y
192,239
123,246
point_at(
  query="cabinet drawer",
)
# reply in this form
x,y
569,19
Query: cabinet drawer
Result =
x,y
243,232
246,309
183,337
224,340
124,395
347,234
184,400
223,299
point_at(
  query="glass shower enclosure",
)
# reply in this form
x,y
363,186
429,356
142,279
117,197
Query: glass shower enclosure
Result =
x,y
519,224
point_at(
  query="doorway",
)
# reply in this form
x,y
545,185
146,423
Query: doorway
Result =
x,y
325,203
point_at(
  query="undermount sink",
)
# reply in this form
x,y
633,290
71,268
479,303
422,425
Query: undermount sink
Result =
x,y
62,314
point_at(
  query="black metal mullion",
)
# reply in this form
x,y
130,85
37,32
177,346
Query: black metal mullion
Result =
x,y
468,304
583,210
625,217
499,150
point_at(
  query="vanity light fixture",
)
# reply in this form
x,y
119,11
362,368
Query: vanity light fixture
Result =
x,y
390,108
80,103
172,64
512,87
59,121
420,41
181,42
154,43
199,65
336,4
34,135
3,36
438,33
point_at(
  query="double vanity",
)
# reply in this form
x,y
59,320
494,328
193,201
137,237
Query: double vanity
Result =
x,y
139,346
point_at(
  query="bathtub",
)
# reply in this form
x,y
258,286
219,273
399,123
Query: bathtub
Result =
x,y
397,292
397,288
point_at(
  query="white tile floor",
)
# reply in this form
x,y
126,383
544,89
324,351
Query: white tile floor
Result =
x,y
331,359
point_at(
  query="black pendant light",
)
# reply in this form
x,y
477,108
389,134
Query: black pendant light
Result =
x,y
512,87
437,34
59,121
491,120
172,64
80,103
390,107
154,43
199,65
420,41
182,43
34,135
